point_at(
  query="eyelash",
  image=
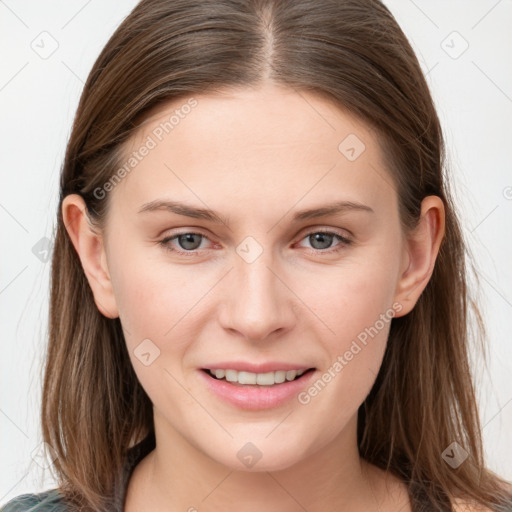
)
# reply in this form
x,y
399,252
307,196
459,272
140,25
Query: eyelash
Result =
x,y
344,242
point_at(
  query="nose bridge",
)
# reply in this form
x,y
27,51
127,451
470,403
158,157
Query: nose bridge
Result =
x,y
258,304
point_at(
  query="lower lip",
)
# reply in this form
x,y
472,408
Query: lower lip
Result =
x,y
254,398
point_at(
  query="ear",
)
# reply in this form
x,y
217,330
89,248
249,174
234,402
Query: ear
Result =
x,y
88,243
420,253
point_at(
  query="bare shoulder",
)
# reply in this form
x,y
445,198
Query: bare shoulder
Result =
x,y
391,490
469,508
461,505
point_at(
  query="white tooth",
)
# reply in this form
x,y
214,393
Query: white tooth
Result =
x,y
231,375
290,375
246,378
261,379
280,376
265,379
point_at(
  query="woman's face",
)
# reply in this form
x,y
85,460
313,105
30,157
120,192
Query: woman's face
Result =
x,y
256,285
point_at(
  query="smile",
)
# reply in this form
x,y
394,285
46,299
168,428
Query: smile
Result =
x,y
256,391
259,379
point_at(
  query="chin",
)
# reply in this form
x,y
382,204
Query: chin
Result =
x,y
253,457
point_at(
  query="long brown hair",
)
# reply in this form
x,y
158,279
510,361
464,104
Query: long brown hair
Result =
x,y
353,52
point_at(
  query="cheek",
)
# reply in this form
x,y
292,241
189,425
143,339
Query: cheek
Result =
x,y
138,297
357,305
354,359
151,295
156,312
352,297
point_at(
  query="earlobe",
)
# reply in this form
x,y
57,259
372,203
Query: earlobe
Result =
x,y
420,253
89,245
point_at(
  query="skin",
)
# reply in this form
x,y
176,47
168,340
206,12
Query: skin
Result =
x,y
256,156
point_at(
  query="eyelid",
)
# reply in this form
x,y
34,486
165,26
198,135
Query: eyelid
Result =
x,y
344,240
165,241
309,230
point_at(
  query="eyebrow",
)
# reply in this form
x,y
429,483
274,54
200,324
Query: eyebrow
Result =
x,y
210,215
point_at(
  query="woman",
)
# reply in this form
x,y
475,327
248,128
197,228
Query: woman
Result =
x,y
259,282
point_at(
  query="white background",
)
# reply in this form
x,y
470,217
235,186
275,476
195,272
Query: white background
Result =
x,y
38,98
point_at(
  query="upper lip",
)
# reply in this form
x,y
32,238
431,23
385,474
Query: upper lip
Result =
x,y
243,366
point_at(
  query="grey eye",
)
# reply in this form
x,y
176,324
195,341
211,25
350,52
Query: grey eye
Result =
x,y
186,241
321,240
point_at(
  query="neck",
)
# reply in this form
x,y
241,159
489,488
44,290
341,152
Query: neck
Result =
x,y
179,476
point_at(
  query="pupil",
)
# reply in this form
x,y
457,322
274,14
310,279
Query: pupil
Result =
x,y
321,237
187,239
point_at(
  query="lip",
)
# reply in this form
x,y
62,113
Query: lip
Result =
x,y
242,366
256,398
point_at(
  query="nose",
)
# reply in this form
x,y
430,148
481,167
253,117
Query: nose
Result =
x,y
256,300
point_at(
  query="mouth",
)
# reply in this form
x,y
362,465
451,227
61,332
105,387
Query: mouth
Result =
x,y
257,380
256,391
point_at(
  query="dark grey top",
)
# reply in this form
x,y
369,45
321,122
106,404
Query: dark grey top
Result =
x,y
52,500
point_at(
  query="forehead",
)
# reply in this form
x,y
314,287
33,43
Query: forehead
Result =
x,y
266,115
267,143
